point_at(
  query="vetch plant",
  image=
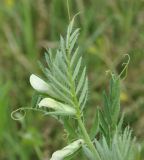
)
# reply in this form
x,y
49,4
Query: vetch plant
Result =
x,y
64,94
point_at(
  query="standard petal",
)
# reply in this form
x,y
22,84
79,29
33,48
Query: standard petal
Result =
x,y
41,86
38,84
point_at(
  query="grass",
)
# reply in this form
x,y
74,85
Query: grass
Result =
x,y
109,29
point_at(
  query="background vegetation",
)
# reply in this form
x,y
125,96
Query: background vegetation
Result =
x,y
109,29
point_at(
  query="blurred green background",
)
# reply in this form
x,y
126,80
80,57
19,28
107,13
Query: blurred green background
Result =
x,y
109,29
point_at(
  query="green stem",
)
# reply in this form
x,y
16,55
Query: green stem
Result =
x,y
77,107
81,125
68,8
87,139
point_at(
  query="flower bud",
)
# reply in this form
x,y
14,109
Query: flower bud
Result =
x,y
68,150
57,106
40,85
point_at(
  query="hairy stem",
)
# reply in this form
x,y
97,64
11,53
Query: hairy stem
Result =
x,y
87,139
77,106
80,123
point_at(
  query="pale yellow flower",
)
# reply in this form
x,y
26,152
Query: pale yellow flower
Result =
x,y
41,86
68,150
58,107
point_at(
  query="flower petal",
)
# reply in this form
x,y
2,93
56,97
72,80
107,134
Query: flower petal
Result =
x,y
68,150
41,86
38,84
57,106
